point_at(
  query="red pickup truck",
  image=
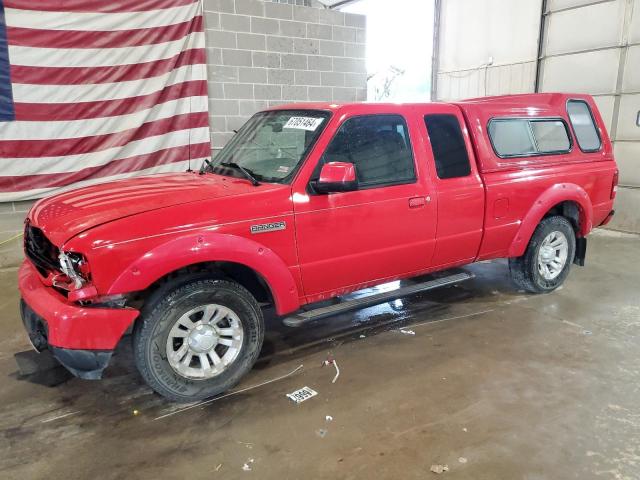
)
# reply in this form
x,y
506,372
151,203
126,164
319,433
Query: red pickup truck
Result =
x,y
306,203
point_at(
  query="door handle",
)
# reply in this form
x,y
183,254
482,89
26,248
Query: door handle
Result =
x,y
417,202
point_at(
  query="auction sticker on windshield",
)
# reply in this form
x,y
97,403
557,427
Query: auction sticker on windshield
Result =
x,y
304,123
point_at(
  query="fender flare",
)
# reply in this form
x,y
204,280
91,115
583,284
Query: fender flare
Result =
x,y
211,247
552,196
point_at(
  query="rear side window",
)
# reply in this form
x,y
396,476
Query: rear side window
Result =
x,y
551,136
583,125
522,137
379,148
511,138
449,150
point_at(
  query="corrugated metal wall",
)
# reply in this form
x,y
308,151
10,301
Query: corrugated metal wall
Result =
x,y
594,47
472,33
590,46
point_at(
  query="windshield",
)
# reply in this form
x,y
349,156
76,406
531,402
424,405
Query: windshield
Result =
x,y
271,145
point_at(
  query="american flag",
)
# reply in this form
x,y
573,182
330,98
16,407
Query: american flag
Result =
x,y
93,90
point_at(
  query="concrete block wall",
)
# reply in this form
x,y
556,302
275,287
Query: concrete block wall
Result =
x,y
261,54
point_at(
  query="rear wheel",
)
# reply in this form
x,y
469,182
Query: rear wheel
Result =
x,y
196,339
548,258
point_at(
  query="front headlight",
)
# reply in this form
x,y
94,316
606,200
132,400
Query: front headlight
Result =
x,y
74,266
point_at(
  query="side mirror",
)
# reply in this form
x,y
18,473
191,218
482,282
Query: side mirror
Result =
x,y
336,177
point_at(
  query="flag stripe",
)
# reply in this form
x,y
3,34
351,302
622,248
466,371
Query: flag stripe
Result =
x,y
99,21
30,37
117,192
96,5
46,130
100,57
70,163
106,108
179,166
130,164
101,90
25,93
74,146
121,73
120,191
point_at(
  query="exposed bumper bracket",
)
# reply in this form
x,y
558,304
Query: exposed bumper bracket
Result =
x,y
85,364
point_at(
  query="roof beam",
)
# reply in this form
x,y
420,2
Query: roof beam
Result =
x,y
336,3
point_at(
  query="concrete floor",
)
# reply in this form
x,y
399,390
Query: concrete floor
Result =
x,y
495,383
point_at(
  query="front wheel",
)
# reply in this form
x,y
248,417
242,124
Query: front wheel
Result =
x,y
196,339
548,258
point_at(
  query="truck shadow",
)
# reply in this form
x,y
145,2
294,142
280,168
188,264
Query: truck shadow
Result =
x,y
283,344
490,285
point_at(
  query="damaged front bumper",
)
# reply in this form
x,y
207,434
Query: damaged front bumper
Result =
x,y
81,338
85,364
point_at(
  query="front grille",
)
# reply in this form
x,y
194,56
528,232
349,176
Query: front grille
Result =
x,y
42,253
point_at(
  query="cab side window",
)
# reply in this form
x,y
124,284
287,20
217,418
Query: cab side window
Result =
x,y
379,148
447,143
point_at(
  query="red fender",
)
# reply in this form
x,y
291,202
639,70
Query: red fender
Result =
x,y
211,247
554,195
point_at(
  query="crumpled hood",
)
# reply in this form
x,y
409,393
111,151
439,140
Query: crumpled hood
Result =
x,y
63,216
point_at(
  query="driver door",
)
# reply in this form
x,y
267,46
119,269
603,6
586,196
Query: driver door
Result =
x,y
384,229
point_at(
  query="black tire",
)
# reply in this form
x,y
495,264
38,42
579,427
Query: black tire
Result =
x,y
159,315
524,269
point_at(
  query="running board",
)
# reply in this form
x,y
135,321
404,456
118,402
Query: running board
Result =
x,y
299,319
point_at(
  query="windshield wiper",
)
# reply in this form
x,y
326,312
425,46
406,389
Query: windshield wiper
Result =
x,y
205,165
245,171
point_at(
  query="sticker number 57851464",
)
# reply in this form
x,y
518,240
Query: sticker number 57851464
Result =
x,y
303,123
